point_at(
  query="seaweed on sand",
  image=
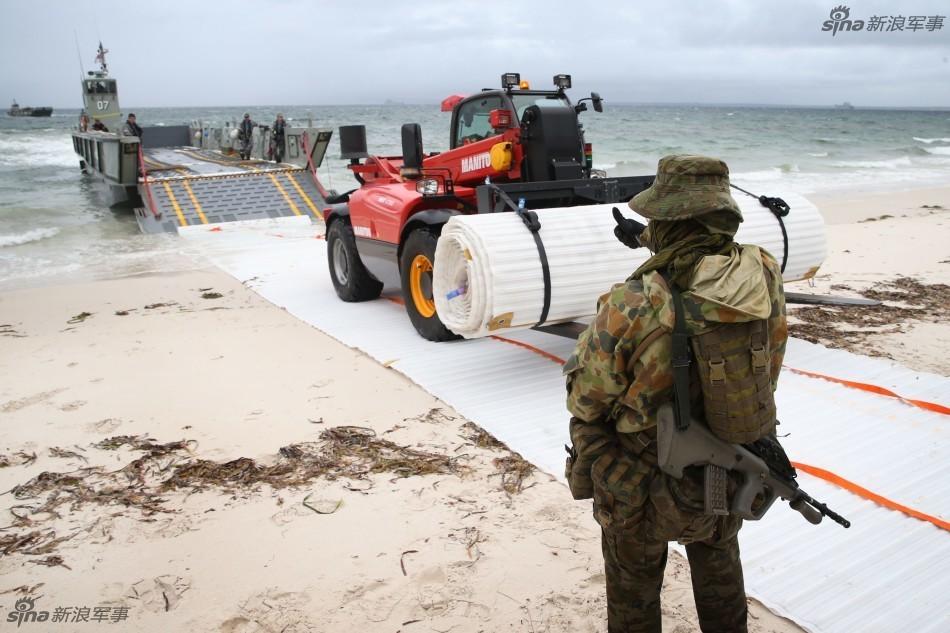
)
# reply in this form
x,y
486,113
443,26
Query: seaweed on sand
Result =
x,y
848,327
343,451
514,470
145,483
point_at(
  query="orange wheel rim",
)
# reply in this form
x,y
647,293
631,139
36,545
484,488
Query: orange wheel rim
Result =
x,y
420,285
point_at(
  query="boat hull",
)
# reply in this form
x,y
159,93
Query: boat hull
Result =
x,y
30,112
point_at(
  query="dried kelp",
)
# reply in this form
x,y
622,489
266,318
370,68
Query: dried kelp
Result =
x,y
482,438
906,300
145,483
344,451
514,470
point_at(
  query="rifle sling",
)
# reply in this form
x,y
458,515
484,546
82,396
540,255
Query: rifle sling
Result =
x,y
680,358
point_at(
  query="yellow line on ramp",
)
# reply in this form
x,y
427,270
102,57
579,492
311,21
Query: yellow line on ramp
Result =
x,y
303,194
174,201
194,201
290,202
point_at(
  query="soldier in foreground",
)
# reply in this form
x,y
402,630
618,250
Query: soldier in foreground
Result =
x,y
621,373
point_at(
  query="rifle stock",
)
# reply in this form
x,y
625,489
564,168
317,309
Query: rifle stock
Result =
x,y
697,445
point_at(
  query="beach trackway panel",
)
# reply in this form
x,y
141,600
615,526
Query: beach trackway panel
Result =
x,y
870,436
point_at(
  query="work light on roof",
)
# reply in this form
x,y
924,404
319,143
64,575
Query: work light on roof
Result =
x,y
563,82
510,80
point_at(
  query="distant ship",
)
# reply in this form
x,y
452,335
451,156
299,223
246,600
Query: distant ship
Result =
x,y
16,110
844,106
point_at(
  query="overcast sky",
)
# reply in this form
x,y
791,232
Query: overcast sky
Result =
x,y
295,52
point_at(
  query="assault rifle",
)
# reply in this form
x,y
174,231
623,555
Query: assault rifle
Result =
x,y
766,473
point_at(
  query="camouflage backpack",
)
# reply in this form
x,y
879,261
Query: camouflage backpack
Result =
x,y
732,363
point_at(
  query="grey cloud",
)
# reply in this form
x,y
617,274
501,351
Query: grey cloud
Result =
x,y
299,52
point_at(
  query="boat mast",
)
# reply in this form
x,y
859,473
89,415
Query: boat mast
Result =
x,y
101,60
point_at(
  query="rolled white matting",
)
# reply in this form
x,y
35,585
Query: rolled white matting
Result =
x,y
487,272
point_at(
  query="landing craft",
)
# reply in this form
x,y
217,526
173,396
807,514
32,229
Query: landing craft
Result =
x,y
176,176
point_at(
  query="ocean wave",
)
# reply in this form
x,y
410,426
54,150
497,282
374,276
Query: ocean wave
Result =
x,y
37,151
893,163
942,151
761,175
818,154
928,141
34,235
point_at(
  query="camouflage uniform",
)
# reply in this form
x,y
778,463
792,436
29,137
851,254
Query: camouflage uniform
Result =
x,y
618,377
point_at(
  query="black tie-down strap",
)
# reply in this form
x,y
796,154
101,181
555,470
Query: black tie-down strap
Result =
x,y
779,209
530,219
680,359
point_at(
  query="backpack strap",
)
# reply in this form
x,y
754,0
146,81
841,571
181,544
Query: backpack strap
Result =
x,y
761,365
680,358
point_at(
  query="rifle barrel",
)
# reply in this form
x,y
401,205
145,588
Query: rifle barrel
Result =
x,y
826,511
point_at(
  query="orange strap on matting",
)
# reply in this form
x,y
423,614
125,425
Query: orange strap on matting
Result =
x,y
531,348
864,493
929,406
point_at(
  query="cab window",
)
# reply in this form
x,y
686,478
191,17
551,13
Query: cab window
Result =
x,y
473,120
522,101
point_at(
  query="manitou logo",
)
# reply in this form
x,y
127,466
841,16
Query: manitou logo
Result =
x,y
476,162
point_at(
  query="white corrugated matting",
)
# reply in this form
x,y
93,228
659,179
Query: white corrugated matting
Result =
x,y
885,574
488,275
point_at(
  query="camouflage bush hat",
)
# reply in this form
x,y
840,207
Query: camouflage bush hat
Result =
x,y
686,186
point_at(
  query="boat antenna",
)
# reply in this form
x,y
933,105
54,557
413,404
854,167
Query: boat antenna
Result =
x,y
82,71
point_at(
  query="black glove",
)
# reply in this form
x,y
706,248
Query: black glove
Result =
x,y
627,231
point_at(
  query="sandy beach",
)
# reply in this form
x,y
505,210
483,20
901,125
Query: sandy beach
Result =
x,y
893,247
183,455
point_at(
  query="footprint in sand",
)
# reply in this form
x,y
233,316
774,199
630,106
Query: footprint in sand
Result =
x,y
159,594
291,514
72,406
107,425
15,405
272,610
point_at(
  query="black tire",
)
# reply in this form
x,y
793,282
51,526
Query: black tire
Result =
x,y
350,278
420,247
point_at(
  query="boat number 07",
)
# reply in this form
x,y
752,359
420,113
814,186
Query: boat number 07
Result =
x,y
102,105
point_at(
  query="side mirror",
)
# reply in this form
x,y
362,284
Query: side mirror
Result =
x,y
412,146
597,101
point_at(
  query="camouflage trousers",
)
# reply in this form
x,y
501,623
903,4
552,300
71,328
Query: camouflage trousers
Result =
x,y
640,510
246,147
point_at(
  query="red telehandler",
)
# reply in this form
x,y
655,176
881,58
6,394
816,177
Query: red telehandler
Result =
x,y
504,145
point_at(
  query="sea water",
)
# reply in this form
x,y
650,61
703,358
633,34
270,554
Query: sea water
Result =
x,y
56,224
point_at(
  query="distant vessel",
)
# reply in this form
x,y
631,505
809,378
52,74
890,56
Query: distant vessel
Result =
x,y
844,106
16,110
